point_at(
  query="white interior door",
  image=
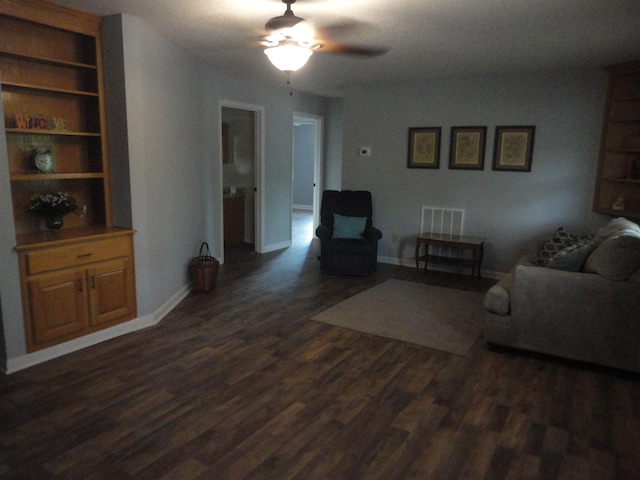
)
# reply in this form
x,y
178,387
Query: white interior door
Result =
x,y
314,122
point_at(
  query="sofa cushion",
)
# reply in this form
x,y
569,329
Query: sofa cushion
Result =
x,y
573,257
348,227
616,258
350,246
616,227
554,245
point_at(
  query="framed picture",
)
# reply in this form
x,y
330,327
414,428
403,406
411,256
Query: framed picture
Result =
x,y
513,148
424,147
467,147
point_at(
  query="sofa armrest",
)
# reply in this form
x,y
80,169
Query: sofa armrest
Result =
x,y
576,315
542,285
372,233
323,232
542,292
498,298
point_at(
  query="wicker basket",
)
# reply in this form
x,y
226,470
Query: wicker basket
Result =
x,y
203,270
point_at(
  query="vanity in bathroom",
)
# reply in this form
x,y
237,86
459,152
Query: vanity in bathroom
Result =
x,y
233,207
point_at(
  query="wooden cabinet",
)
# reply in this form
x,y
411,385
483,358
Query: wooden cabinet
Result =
x,y
233,219
76,287
81,278
57,307
618,179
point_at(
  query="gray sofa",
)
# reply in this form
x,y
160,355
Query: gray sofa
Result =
x,y
578,300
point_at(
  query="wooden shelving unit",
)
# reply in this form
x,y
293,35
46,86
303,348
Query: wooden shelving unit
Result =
x,y
52,94
619,165
51,70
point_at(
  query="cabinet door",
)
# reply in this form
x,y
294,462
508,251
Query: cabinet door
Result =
x,y
111,291
58,305
233,209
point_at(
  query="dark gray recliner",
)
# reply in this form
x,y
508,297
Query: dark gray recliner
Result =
x,y
347,256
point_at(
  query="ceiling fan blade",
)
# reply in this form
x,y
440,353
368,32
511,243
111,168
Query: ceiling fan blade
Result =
x,y
355,50
345,28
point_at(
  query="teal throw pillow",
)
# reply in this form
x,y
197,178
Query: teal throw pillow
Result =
x,y
348,227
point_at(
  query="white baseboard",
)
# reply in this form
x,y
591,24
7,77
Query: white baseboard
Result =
x,y
410,262
30,359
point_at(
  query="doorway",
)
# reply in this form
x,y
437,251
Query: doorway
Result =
x,y
307,168
241,155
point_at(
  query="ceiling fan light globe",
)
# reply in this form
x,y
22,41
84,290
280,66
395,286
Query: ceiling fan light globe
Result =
x,y
288,57
302,32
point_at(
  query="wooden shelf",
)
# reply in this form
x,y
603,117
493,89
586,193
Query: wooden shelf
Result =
x,y
36,131
26,86
618,213
623,150
631,181
28,241
19,177
50,58
627,98
451,261
625,120
46,60
620,144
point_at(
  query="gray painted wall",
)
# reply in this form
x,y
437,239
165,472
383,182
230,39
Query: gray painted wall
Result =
x,y
332,166
510,209
165,138
174,146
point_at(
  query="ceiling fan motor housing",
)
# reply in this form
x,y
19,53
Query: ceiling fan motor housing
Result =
x,y
286,20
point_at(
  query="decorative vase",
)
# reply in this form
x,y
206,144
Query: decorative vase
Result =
x,y
54,222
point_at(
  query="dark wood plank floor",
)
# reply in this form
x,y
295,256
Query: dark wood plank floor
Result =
x,y
241,384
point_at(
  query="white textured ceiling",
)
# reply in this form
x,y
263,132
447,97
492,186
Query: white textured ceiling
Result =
x,y
425,38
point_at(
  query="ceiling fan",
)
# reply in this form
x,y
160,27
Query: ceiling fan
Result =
x,y
291,40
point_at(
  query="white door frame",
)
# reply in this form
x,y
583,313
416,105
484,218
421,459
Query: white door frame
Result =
x,y
317,163
259,142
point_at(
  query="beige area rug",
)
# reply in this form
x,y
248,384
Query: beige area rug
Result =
x,y
435,317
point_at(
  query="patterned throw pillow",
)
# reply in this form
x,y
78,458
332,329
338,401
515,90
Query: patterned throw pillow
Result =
x,y
573,257
554,245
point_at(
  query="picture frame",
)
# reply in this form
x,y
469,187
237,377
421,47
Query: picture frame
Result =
x,y
513,148
467,148
424,147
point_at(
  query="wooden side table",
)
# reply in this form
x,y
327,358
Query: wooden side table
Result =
x,y
461,242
